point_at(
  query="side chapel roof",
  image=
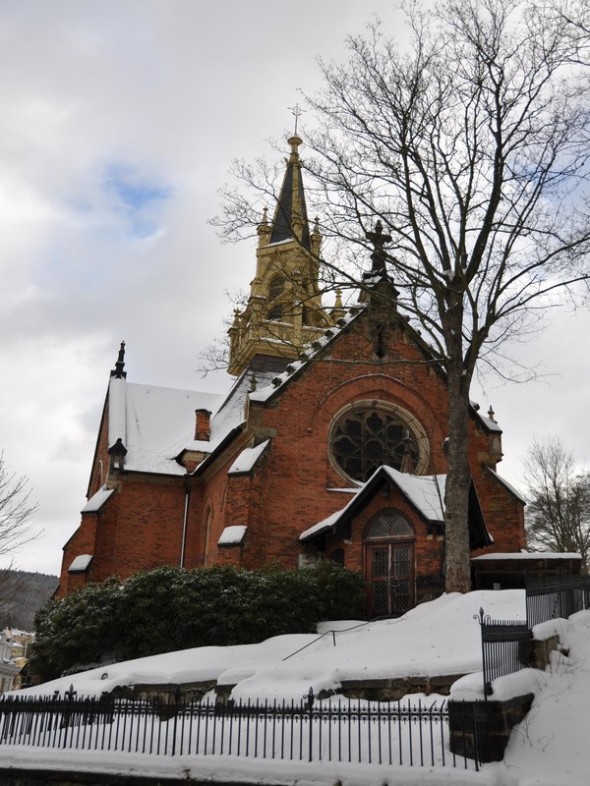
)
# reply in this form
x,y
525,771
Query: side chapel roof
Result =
x,y
424,492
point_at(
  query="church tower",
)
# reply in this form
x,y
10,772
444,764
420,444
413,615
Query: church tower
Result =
x,y
284,310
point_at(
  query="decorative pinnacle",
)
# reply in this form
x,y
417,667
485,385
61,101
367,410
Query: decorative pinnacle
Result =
x,y
119,370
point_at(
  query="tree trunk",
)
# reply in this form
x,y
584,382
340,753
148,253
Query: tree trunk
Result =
x,y
457,568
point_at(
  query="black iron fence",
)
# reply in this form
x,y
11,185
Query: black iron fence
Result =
x,y
550,598
505,647
394,733
507,644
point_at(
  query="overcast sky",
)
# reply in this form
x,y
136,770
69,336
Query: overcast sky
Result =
x,y
119,123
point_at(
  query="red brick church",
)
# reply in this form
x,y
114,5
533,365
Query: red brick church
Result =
x,y
330,444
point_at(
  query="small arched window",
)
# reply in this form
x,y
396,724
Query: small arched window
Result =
x,y
389,524
275,313
276,287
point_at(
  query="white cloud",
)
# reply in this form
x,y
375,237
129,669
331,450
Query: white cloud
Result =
x,y
168,92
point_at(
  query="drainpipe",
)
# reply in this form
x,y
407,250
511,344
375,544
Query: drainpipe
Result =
x,y
187,497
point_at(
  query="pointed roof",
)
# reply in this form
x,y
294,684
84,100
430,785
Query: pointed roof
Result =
x,y
290,218
424,492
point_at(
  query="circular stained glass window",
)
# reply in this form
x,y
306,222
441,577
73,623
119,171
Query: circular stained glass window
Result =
x,y
368,436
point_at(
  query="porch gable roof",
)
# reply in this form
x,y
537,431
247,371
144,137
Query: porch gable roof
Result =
x,y
424,492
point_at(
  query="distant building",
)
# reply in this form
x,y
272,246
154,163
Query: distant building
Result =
x,y
330,444
14,648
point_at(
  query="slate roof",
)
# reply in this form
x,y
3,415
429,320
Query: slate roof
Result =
x,y
282,224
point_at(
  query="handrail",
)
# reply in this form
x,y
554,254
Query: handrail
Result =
x,y
344,630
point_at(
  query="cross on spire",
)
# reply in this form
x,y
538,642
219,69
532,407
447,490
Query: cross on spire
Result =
x,y
378,239
296,111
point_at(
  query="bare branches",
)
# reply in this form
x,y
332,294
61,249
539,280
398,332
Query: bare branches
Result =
x,y
473,150
16,511
558,514
471,145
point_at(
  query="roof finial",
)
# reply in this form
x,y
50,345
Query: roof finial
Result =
x,y
338,311
296,111
491,414
118,372
378,239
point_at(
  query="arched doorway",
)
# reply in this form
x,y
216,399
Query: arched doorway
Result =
x,y
389,564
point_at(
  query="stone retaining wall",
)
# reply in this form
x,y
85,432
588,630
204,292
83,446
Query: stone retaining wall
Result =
x,y
481,729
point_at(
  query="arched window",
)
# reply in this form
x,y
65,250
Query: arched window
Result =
x,y
371,434
276,287
275,312
389,524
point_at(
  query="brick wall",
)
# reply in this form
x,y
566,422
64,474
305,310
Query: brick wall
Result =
x,y
293,485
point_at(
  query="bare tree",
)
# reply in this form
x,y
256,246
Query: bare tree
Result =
x,y
16,511
471,146
558,511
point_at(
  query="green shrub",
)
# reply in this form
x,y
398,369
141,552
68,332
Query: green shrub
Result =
x,y
168,609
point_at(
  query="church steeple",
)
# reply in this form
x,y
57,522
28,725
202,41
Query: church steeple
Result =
x,y
290,217
284,311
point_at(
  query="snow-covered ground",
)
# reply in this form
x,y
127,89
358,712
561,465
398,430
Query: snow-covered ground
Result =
x,y
436,638
549,748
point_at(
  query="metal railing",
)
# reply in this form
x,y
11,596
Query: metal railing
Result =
x,y
505,647
507,644
394,733
550,598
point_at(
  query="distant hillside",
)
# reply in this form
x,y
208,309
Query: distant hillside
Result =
x,y
21,594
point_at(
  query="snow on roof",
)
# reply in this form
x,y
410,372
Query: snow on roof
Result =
x,y
156,424
491,424
328,336
528,555
426,492
80,563
326,523
97,500
247,459
231,413
233,535
487,421
509,486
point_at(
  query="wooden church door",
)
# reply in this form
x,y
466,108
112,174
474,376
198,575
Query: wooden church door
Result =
x,y
389,564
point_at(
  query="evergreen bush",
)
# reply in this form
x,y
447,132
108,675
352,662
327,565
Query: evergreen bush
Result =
x,y
168,609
